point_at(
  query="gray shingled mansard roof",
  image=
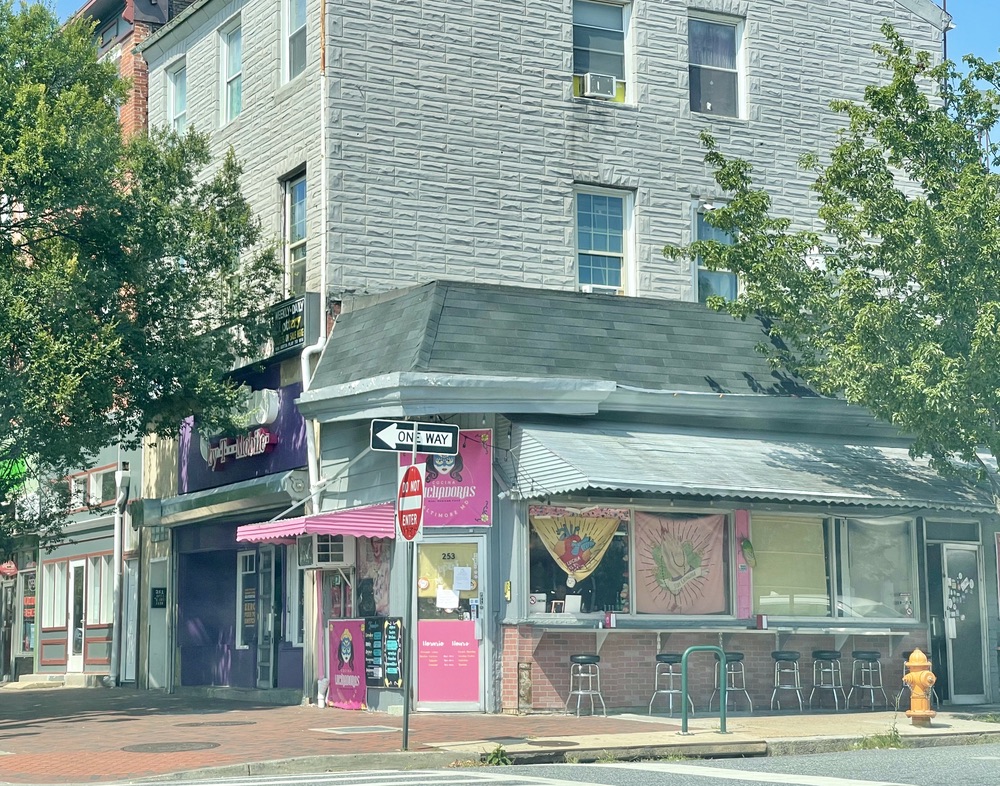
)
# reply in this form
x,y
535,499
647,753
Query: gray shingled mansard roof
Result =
x,y
461,328
658,372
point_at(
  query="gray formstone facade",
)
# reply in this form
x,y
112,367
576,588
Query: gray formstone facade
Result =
x,y
455,145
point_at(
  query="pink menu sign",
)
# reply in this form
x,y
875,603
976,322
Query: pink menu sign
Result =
x,y
346,669
458,490
447,661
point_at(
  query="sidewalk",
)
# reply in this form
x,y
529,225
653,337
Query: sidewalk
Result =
x,y
66,735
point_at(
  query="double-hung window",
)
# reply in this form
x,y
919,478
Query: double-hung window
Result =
x,y
713,282
603,223
714,56
295,43
599,37
295,234
177,97
100,588
232,72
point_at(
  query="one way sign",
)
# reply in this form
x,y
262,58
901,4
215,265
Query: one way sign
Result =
x,y
397,436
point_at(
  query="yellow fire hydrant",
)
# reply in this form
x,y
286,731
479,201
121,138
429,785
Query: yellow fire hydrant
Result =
x,y
920,680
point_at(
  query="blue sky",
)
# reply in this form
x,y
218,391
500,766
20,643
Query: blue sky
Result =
x,y
976,27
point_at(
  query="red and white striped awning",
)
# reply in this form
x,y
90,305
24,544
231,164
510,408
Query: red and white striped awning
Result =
x,y
370,521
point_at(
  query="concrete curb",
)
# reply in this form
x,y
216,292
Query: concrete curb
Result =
x,y
808,745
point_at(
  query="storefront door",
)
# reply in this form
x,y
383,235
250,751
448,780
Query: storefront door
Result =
x,y
8,595
74,630
265,630
963,623
451,618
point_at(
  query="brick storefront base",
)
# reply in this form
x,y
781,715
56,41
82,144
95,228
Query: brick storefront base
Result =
x,y
628,659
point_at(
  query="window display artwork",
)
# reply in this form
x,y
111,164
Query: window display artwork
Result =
x,y
577,543
374,567
680,564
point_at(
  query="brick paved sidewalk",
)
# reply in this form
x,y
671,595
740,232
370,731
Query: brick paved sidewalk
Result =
x,y
65,735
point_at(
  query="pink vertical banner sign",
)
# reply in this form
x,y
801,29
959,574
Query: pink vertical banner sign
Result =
x,y
447,661
458,490
347,665
744,570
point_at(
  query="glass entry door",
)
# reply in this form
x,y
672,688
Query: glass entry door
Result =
x,y
75,632
266,643
963,623
451,618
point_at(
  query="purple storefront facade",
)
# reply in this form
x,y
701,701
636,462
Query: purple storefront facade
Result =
x,y
238,605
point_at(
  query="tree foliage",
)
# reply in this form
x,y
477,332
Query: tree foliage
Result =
x,y
131,274
895,303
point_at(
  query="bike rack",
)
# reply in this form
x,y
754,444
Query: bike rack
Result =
x,y
720,653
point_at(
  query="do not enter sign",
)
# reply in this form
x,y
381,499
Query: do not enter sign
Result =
x,y
410,503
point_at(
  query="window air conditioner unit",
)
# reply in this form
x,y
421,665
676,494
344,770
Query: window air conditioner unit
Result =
x,y
325,551
596,289
599,86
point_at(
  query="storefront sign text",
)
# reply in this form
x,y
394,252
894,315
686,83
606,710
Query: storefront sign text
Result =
x,y
256,443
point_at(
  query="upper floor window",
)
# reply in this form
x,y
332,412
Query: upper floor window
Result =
x,y
232,72
714,66
599,50
602,226
295,234
177,98
295,52
713,282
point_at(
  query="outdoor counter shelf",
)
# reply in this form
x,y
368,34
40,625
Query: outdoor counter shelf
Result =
x,y
663,631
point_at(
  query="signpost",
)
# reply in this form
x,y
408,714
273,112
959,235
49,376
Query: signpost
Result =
x,y
409,524
397,436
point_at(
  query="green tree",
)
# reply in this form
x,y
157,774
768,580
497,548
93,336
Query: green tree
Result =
x,y
895,304
131,275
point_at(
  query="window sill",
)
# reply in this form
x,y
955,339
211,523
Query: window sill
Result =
x,y
736,121
623,106
287,89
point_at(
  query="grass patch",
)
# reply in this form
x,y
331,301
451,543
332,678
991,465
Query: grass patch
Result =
x,y
886,739
498,757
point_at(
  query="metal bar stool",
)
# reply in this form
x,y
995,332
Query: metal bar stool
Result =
x,y
584,669
735,679
934,697
827,675
866,675
665,674
786,675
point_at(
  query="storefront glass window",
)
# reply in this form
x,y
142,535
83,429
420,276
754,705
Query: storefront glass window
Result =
x,y
790,574
246,598
27,579
374,567
795,556
878,568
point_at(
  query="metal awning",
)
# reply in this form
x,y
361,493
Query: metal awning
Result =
x,y
371,521
555,456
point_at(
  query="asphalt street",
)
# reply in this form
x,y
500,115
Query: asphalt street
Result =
x,y
969,765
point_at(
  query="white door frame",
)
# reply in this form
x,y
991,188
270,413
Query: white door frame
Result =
x,y
481,624
74,661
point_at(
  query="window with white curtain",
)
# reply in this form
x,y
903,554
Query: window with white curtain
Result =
x,y
714,64
53,600
100,590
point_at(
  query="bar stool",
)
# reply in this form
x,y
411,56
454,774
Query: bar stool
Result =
x,y
585,669
827,675
666,673
934,697
735,679
866,674
786,675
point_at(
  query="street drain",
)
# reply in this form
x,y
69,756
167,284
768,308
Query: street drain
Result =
x,y
553,743
358,729
170,747
218,723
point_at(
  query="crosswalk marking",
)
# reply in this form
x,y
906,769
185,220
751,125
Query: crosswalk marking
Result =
x,y
743,775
